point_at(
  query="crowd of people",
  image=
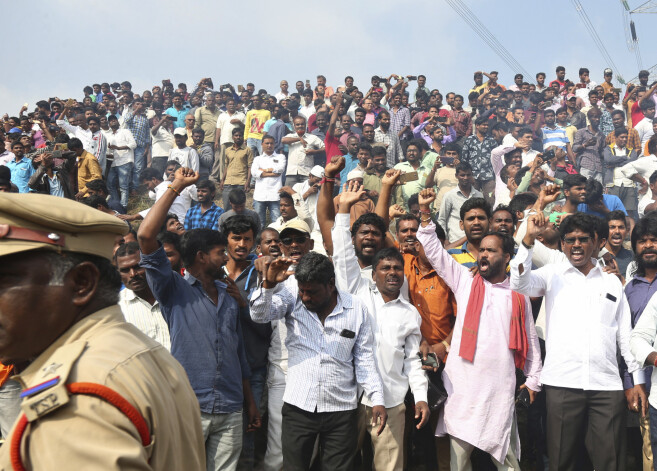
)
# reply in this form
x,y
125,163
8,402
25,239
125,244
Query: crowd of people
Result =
x,y
311,256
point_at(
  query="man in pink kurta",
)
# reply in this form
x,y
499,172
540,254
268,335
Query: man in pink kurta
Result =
x,y
479,411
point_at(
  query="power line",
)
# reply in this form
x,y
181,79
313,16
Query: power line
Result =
x,y
491,41
488,37
596,39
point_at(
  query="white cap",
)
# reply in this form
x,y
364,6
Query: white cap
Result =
x,y
180,132
355,173
317,171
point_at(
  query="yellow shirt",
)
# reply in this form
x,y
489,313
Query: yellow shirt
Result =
x,y
254,122
88,170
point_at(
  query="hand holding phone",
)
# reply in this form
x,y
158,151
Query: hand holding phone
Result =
x,y
408,177
431,361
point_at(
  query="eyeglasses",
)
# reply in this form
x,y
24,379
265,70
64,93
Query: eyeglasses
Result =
x,y
572,240
295,239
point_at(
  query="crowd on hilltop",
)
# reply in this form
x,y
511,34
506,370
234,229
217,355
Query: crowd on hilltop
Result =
x,y
391,275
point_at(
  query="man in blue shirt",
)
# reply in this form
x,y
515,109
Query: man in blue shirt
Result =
x,y
204,215
358,154
178,110
202,312
639,289
597,203
21,168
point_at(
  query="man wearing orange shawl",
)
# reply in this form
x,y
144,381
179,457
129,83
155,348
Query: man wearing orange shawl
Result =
x,y
494,333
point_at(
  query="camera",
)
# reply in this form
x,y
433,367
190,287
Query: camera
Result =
x,y
225,85
412,77
549,154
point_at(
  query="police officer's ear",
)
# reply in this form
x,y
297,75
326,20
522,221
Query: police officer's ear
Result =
x,y
82,280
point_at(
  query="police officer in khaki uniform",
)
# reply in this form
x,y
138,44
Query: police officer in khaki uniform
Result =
x,y
97,393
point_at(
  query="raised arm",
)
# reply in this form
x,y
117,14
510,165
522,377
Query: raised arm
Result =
x,y
388,183
446,267
150,227
347,269
334,115
524,280
325,209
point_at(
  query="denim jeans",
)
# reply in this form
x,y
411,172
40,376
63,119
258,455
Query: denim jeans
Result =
x,y
119,181
257,381
223,440
255,145
159,164
10,406
226,193
140,165
260,207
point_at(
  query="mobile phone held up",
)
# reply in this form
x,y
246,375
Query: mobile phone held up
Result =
x,y
408,177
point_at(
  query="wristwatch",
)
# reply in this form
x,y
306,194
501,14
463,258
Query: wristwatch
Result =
x,y
444,342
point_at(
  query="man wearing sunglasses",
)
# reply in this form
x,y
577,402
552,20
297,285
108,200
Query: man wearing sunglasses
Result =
x,y
588,320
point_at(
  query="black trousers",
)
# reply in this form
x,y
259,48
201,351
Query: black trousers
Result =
x,y
595,419
337,433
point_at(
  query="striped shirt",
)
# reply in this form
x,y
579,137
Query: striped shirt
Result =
x,y
554,137
145,317
462,256
325,365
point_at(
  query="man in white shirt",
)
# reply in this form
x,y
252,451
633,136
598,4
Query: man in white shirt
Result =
x,y
308,192
121,145
5,155
648,202
267,169
584,391
137,302
308,107
291,207
644,127
227,121
642,168
88,131
283,94
183,154
396,325
303,147
449,216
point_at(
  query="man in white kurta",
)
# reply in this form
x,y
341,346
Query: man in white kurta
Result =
x,y
481,394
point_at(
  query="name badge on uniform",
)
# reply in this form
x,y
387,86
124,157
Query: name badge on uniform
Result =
x,y
611,297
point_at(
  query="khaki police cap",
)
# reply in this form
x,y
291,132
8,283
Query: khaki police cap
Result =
x,y
35,221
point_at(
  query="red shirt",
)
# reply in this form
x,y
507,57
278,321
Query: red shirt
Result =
x,y
637,114
311,123
332,146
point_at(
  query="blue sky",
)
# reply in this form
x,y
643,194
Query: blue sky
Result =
x,y
58,46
